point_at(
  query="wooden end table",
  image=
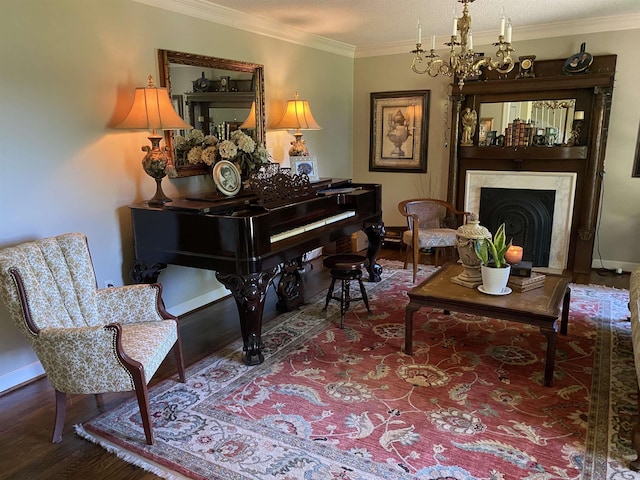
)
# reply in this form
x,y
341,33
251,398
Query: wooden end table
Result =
x,y
541,306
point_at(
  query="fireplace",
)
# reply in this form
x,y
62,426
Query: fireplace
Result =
x,y
557,191
527,215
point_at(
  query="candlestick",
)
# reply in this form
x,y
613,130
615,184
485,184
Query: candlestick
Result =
x,y
433,42
513,254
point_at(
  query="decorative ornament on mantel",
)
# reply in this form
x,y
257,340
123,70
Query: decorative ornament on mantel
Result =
x,y
464,63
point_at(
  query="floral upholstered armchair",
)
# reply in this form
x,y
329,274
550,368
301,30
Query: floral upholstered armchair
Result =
x,y
89,340
431,224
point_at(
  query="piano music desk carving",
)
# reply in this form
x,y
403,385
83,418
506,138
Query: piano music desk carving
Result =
x,y
248,241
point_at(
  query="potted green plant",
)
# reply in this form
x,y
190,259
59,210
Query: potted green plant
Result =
x,y
495,269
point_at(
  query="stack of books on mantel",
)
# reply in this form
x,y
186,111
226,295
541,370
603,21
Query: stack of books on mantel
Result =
x,y
524,284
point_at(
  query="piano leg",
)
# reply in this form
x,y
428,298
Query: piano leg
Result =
x,y
375,234
250,293
290,287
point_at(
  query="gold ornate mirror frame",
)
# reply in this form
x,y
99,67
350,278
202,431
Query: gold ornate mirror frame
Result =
x,y
168,57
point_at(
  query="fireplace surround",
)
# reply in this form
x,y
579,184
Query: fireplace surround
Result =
x,y
562,183
578,167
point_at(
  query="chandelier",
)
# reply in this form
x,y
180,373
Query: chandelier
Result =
x,y
464,63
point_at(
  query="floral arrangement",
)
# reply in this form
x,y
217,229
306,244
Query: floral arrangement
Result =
x,y
489,250
240,149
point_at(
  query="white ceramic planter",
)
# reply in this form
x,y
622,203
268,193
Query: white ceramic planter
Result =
x,y
494,280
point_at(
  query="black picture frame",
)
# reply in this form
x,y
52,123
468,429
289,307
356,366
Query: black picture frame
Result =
x,y
399,131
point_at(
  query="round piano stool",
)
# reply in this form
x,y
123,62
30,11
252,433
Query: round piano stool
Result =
x,y
346,267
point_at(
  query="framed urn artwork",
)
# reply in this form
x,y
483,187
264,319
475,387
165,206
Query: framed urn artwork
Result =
x,y
399,131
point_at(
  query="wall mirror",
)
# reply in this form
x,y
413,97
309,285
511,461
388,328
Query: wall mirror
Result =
x,y
542,114
215,96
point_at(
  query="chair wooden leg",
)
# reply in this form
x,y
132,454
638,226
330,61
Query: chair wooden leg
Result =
x,y
407,256
177,352
142,395
416,257
61,412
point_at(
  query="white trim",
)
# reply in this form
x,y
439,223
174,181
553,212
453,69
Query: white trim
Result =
x,y
205,10
21,375
197,302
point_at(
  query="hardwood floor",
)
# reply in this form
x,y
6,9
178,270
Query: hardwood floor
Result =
x,y
27,413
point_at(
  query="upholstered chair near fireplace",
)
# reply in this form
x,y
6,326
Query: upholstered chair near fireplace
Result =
x,y
431,225
89,340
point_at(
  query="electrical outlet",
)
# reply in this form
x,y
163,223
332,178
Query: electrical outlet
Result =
x,y
108,284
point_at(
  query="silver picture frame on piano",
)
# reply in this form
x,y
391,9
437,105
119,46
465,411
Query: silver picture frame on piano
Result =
x,y
305,166
227,178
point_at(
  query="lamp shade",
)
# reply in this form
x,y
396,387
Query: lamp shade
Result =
x,y
152,110
298,116
250,121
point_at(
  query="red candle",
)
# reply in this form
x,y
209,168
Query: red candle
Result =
x,y
513,254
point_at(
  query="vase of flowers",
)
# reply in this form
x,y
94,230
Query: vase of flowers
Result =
x,y
495,269
197,148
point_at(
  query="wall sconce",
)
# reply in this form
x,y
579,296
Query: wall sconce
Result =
x,y
152,110
298,117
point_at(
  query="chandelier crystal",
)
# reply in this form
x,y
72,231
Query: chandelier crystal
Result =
x,y
464,63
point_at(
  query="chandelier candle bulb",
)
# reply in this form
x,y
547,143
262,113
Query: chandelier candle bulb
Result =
x,y
454,32
419,32
509,31
433,42
513,254
470,41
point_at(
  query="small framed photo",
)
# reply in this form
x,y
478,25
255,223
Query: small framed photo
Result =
x,y
399,131
227,178
305,165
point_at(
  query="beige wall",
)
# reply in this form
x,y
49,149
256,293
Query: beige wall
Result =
x,y
69,68
619,225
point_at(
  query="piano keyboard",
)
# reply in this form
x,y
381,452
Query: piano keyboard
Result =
x,y
311,226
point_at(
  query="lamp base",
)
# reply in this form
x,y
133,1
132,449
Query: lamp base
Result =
x,y
155,165
298,147
159,198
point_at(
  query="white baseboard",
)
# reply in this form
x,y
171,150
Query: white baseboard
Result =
x,y
20,376
198,302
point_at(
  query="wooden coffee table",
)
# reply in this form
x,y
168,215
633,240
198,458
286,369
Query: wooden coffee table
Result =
x,y
541,306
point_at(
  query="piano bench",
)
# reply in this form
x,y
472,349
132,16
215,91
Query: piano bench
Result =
x,y
346,267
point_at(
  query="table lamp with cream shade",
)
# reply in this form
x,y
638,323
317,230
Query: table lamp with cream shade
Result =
x,y
152,110
297,116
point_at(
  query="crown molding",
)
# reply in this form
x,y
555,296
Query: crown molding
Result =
x,y
549,30
205,10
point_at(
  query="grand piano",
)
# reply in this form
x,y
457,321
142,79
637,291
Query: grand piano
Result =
x,y
255,236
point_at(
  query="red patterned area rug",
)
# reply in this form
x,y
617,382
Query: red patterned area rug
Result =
x,y
349,404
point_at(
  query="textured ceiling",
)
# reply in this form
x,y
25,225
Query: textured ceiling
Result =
x,y
365,23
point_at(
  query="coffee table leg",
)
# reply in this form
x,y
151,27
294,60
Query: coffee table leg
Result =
x,y
408,327
565,312
549,364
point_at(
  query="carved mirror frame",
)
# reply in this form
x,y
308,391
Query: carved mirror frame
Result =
x,y
168,57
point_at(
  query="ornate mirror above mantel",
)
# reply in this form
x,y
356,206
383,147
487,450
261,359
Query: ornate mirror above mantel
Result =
x,y
215,96
563,122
